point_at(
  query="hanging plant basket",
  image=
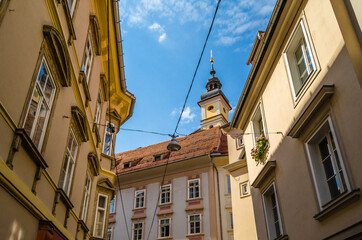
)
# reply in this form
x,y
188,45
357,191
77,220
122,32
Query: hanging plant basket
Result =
x,y
258,152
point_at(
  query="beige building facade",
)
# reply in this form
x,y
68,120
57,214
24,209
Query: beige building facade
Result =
x,y
299,115
63,98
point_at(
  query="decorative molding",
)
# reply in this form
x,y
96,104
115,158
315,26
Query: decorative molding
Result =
x,y
341,202
82,224
93,163
322,96
65,199
81,122
264,173
84,83
58,49
104,86
69,21
235,165
106,184
94,24
36,179
28,144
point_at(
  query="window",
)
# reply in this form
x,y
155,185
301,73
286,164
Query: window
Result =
x,y
299,58
157,157
126,165
258,123
328,169
109,233
108,139
228,183
112,207
87,188
71,6
272,214
88,58
139,199
194,188
69,162
210,108
137,233
231,221
97,115
195,224
100,216
165,194
165,227
239,142
244,189
40,105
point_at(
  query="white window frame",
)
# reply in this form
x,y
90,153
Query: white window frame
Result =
x,y
189,224
269,212
259,108
231,220
160,225
242,192
88,58
165,193
189,188
136,197
134,228
318,171
239,142
98,110
72,6
41,102
228,184
106,132
98,209
86,196
299,33
68,173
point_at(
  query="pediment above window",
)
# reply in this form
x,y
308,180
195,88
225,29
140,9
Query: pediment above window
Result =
x,y
114,115
94,24
80,122
104,87
93,163
106,184
58,49
312,110
84,83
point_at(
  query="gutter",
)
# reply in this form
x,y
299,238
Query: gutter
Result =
x,y
274,19
218,190
117,25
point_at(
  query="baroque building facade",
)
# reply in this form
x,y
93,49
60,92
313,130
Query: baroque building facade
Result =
x,y
63,98
184,194
299,116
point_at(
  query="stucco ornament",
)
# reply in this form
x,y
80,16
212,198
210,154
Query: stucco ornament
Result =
x,y
258,152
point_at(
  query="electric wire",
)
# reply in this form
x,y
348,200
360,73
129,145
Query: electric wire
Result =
x,y
183,108
197,67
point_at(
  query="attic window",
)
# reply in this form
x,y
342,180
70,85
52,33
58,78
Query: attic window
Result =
x,y
211,126
157,157
210,108
126,165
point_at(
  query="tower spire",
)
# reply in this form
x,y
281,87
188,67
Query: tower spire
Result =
x,y
212,71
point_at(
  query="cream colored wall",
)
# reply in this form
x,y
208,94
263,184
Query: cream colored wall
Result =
x,y
21,38
293,179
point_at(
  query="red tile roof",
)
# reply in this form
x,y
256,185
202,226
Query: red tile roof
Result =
x,y
196,144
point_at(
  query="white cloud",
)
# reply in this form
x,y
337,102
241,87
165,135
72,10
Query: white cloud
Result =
x,y
156,27
162,37
187,116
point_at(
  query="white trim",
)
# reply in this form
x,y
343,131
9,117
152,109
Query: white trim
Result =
x,y
135,198
96,215
142,229
189,224
272,185
71,159
170,185
259,107
159,227
111,141
188,188
86,197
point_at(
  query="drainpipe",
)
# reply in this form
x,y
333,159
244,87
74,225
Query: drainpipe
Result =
x,y
218,191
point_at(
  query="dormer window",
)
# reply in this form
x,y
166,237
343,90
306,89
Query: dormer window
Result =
x,y
157,157
126,165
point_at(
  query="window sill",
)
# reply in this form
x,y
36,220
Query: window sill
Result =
x,y
193,199
337,204
283,237
195,235
164,238
83,225
65,199
138,209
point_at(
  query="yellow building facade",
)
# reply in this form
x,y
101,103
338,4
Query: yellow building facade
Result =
x,y
63,98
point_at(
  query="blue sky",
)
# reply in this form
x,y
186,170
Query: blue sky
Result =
x,y
162,42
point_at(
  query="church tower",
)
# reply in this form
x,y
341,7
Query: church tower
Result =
x,y
214,105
